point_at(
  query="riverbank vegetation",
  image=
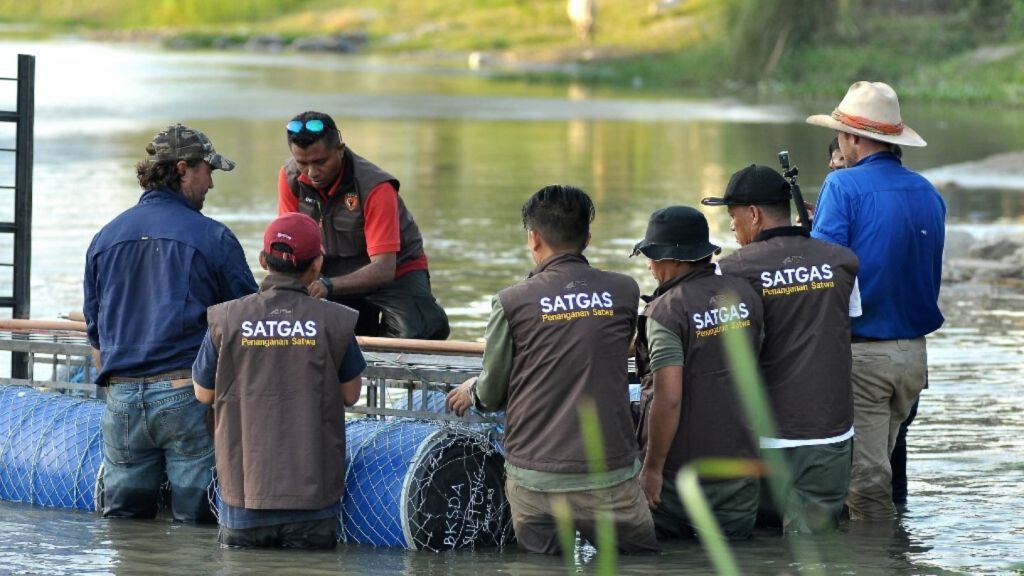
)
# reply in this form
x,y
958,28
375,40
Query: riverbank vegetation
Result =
x,y
950,50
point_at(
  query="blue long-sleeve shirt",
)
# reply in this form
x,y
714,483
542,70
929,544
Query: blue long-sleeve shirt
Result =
x,y
150,274
894,220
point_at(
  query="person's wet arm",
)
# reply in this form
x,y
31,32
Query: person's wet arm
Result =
x,y
204,371
489,391
383,241
351,373
663,421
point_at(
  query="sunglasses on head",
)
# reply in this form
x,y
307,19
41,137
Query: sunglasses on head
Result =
x,y
315,126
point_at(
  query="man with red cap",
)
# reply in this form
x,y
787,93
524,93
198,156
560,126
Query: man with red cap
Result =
x,y
894,220
279,369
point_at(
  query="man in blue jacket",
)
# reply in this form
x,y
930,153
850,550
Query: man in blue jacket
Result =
x,y
894,220
150,275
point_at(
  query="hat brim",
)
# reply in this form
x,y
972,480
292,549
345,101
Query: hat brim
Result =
x,y
908,137
674,252
714,202
219,162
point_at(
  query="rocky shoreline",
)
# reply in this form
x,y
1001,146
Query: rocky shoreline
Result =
x,y
994,261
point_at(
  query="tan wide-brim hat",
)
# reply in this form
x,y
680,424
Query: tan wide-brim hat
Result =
x,y
871,110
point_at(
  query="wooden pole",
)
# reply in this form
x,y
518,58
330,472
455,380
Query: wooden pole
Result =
x,y
450,347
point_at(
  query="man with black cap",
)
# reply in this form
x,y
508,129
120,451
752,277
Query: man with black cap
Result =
x,y
150,274
809,291
279,368
894,220
556,341
691,407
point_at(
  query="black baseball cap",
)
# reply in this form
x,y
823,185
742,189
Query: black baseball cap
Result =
x,y
753,185
676,233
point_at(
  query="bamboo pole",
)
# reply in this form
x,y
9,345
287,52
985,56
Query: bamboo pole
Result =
x,y
22,324
451,347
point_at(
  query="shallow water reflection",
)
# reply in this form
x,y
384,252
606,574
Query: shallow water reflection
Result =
x,y
468,151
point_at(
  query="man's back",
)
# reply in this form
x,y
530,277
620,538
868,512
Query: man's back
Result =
x,y
295,458
805,286
894,220
571,326
699,307
150,275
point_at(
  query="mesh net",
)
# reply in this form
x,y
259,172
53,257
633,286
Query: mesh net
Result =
x,y
492,425
51,448
423,485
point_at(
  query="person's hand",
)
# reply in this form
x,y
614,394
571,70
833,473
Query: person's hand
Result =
x,y
459,399
811,207
317,289
650,483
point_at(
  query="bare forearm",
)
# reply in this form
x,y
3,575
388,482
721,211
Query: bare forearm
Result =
x,y
351,390
364,279
379,271
663,424
664,416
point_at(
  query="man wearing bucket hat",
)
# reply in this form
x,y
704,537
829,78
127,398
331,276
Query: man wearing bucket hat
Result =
x,y
555,342
894,220
280,435
374,259
690,406
809,291
150,274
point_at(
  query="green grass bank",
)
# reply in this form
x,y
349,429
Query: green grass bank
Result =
x,y
969,51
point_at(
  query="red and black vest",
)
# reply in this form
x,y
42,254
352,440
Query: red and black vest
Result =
x,y
341,216
805,285
571,326
280,414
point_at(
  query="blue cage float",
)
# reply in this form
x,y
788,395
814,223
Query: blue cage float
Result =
x,y
409,483
51,448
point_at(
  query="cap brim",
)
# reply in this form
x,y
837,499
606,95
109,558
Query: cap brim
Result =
x,y
714,202
908,137
219,162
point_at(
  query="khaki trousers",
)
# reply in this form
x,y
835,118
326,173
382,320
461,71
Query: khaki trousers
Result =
x,y
534,521
887,377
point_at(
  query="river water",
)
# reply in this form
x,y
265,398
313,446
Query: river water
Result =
x,y
469,149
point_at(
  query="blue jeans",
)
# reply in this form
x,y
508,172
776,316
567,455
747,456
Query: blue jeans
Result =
x,y
149,430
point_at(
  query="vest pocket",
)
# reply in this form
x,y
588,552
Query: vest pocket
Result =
x,y
349,237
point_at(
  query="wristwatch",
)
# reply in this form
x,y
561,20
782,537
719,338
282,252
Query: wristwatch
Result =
x,y
328,285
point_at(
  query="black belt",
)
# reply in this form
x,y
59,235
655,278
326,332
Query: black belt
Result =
x,y
863,339
175,376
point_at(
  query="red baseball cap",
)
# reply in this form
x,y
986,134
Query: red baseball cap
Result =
x,y
299,234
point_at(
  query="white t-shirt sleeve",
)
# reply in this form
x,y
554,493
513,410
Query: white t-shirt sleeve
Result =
x,y
855,309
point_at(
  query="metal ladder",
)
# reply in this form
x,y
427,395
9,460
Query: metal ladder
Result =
x,y
23,117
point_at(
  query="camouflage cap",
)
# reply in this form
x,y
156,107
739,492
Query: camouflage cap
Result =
x,y
179,142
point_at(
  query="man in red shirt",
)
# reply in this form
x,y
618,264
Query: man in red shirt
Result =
x,y
374,259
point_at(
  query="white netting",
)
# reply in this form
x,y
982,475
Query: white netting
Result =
x,y
423,485
51,448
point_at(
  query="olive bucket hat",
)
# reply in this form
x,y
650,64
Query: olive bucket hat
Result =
x,y
676,233
179,142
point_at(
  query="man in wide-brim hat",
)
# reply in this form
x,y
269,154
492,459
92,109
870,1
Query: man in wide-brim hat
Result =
x,y
894,220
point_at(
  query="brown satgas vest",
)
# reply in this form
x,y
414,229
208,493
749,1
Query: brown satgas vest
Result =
x,y
571,327
280,415
805,285
341,219
699,306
